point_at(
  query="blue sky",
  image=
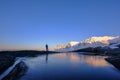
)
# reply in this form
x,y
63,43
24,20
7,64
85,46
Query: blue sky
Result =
x,y
30,24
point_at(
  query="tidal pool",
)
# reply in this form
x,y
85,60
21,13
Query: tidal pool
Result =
x,y
69,66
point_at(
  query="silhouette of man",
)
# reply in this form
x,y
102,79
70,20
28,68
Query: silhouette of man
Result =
x,y
46,47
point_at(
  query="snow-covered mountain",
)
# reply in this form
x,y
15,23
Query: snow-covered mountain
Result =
x,y
114,43
72,43
90,42
115,40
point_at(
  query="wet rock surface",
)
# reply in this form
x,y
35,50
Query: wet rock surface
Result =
x,y
115,61
5,62
17,71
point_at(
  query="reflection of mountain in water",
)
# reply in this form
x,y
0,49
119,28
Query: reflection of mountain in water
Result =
x,y
97,61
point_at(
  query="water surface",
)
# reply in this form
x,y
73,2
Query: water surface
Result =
x,y
70,66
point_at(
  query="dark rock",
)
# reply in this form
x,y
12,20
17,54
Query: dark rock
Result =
x,y
5,62
17,71
115,61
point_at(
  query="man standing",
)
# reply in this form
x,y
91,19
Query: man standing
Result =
x,y
46,47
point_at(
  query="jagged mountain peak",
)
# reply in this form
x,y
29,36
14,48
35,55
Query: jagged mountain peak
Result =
x,y
72,43
100,41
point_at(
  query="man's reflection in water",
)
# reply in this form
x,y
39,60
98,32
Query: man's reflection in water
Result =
x,y
46,58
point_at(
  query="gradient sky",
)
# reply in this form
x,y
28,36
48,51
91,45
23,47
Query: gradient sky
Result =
x,y
30,24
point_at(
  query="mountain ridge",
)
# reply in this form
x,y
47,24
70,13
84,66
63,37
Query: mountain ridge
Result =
x,y
94,41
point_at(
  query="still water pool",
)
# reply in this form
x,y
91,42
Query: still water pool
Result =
x,y
69,66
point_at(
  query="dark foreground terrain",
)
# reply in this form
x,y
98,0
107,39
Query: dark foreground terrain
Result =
x,y
8,58
115,61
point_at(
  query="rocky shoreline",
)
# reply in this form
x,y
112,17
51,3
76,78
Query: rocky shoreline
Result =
x,y
114,60
8,58
5,62
17,71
